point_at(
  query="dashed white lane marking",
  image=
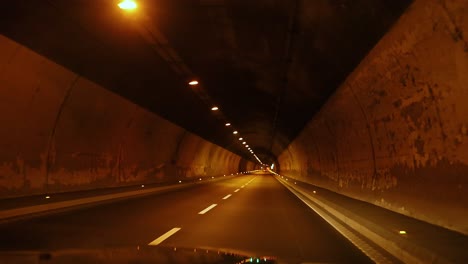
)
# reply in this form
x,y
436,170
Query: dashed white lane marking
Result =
x,y
247,183
160,239
227,196
207,209
236,190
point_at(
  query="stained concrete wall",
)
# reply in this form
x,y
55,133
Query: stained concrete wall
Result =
x,y
395,133
60,132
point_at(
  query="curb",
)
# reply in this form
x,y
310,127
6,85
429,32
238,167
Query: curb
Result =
x,y
404,251
33,210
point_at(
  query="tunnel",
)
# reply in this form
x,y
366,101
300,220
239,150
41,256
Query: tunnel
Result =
x,y
328,131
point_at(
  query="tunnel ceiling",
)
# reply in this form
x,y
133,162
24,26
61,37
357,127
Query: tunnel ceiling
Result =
x,y
268,64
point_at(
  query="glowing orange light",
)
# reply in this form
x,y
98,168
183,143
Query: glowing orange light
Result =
x,y
193,82
128,5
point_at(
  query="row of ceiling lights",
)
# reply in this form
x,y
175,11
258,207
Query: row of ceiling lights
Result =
x,y
234,132
132,5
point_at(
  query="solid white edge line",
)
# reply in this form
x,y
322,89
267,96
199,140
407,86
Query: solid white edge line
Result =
x,y
11,214
207,209
236,190
227,196
368,250
160,239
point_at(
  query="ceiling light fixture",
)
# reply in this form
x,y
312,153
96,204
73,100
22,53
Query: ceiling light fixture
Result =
x,y
128,5
228,124
235,132
193,83
214,108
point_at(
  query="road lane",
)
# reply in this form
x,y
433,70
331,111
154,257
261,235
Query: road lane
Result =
x,y
266,219
131,222
263,218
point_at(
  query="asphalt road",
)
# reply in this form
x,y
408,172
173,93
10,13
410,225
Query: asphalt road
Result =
x,y
252,213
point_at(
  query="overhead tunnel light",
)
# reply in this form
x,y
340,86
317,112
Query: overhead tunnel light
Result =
x,y
241,139
214,108
235,132
128,5
193,83
228,124
243,143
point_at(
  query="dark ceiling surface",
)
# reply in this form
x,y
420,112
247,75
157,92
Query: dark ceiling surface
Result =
x,y
268,64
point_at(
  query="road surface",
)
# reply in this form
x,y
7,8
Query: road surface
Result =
x,y
251,213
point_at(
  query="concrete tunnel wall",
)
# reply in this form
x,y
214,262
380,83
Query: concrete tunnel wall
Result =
x,y
395,133
61,132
